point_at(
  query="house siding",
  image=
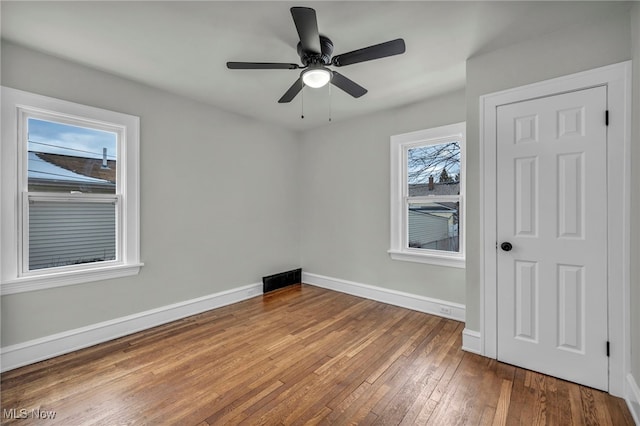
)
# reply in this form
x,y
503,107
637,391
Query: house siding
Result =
x,y
427,229
68,233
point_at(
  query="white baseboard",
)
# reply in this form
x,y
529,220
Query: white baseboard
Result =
x,y
632,396
472,341
415,302
25,353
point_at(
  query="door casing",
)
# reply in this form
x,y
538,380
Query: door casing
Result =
x,y
617,79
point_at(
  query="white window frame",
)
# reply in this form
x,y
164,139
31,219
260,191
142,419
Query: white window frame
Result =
x,y
400,144
17,107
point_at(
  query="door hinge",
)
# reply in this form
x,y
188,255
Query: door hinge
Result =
x,y
608,348
606,118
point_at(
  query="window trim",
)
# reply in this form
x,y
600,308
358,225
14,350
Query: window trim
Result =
x,y
25,113
400,144
17,106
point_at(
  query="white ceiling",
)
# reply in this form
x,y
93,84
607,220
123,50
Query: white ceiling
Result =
x,y
182,47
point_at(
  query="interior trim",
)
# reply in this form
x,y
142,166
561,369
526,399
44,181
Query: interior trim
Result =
x,y
428,305
471,341
35,350
632,397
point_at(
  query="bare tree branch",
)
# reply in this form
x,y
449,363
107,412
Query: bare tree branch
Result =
x,y
426,161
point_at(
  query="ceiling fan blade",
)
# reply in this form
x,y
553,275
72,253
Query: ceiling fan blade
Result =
x,y
292,92
348,85
307,26
261,66
382,50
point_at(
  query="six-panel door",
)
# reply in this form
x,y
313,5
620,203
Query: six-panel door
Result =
x,y
552,204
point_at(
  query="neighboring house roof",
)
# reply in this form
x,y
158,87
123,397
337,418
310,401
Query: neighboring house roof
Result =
x,y
89,167
45,172
439,188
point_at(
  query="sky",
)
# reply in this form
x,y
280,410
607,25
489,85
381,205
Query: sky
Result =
x,y
58,138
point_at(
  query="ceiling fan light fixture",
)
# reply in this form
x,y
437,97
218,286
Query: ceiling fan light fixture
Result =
x,y
316,77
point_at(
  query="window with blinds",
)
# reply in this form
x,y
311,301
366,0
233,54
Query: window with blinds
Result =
x,y
71,209
71,193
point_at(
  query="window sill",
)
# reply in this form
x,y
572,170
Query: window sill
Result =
x,y
453,262
60,279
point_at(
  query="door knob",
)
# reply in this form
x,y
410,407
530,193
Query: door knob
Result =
x,y
506,246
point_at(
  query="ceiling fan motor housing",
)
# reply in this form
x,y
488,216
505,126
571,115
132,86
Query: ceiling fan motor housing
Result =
x,y
324,57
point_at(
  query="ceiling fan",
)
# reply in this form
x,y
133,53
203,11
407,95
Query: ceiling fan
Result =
x,y
315,52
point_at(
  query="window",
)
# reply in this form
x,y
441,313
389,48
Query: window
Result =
x,y
427,196
69,204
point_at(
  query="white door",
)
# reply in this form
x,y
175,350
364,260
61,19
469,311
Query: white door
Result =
x,y
551,209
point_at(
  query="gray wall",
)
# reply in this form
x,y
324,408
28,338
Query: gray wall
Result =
x,y
218,200
635,197
570,50
345,201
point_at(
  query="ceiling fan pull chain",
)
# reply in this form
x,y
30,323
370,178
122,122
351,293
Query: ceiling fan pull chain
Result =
x,y
302,103
329,103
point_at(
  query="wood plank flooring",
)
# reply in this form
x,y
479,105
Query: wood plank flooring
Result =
x,y
301,355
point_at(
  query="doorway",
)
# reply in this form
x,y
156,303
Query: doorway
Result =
x,y
539,308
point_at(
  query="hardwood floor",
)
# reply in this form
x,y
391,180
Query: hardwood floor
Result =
x,y
301,355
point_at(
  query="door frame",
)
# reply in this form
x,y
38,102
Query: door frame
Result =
x,y
617,79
